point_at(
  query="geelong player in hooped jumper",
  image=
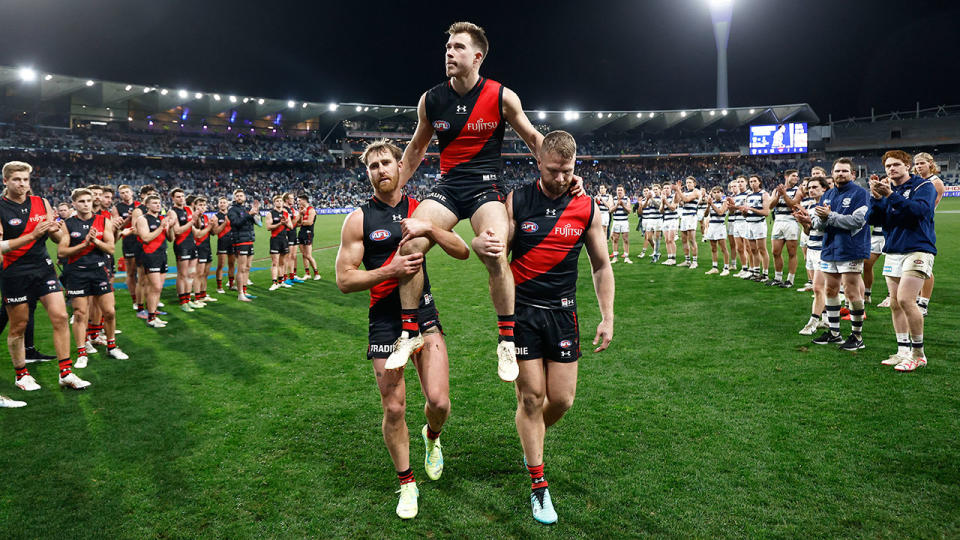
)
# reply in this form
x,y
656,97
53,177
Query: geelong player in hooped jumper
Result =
x,y
469,114
28,273
371,236
548,229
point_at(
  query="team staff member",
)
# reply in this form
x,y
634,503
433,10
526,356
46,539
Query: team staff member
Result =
x,y
549,228
308,217
85,242
842,216
152,235
903,205
241,221
226,254
28,273
371,236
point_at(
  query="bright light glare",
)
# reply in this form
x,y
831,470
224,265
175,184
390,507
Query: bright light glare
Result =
x,y
90,83
198,95
183,94
359,108
164,92
542,115
233,99
683,114
291,104
216,97
599,115
28,74
332,107
260,101
719,4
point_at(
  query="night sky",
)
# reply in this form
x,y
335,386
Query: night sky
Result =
x,y
841,56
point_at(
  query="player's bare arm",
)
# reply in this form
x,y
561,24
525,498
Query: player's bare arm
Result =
x,y
449,241
603,283
416,149
350,278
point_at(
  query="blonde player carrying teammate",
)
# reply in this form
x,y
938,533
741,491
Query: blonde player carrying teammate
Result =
x,y
716,232
669,202
308,217
925,167
620,225
689,195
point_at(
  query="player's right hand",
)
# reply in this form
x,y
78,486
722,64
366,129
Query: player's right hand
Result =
x,y
44,227
604,335
405,265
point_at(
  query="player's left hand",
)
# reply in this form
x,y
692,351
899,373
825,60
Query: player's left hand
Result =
x,y
823,211
604,335
576,188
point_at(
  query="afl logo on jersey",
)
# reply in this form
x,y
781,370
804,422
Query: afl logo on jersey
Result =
x,y
379,235
441,125
529,227
75,234
15,221
566,344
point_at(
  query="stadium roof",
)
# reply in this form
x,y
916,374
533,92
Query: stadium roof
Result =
x,y
94,98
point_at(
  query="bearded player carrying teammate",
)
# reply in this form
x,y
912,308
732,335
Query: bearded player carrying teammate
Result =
x,y
85,242
25,222
467,113
371,236
549,228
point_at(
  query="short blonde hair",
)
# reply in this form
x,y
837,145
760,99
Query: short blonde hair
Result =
x,y
378,146
559,142
476,33
80,192
11,167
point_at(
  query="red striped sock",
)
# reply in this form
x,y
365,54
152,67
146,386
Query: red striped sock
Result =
x,y
431,434
81,351
22,372
66,366
111,344
406,477
408,320
537,479
505,324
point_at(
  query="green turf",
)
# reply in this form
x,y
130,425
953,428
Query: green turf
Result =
x,y
709,416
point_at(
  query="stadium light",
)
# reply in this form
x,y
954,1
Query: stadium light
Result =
x,y
216,97
599,115
683,114
359,108
721,13
542,115
246,100
183,94
396,110
128,87
47,77
260,101
198,95
28,74
639,115
332,107
723,112
164,92
752,111
713,113
291,104
146,89
652,115
90,83
304,106
365,109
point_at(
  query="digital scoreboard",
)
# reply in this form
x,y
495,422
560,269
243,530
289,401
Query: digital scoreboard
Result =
x,y
778,139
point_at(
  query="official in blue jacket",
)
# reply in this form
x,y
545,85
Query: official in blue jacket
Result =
x,y
903,204
842,216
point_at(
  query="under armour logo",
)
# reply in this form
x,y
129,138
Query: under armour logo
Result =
x,y
551,211
397,217
461,109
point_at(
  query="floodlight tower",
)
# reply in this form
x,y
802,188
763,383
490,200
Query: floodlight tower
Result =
x,y
721,12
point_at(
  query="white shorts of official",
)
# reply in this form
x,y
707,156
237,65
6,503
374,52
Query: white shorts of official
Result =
x,y
620,226
716,231
841,267
605,218
688,223
652,225
755,231
896,264
876,244
785,229
813,259
671,224
804,238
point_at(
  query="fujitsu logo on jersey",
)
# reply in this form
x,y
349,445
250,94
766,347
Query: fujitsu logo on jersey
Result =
x,y
38,218
480,125
567,230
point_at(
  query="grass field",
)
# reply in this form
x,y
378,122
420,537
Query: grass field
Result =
x,y
709,416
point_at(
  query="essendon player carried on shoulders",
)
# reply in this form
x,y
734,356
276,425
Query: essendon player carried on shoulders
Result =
x,y
371,236
28,273
85,242
548,229
468,113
